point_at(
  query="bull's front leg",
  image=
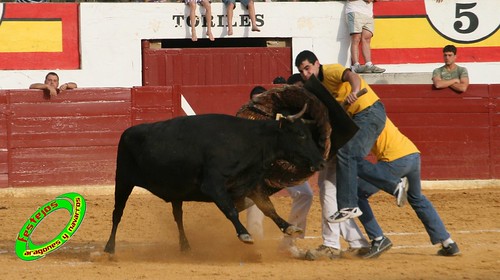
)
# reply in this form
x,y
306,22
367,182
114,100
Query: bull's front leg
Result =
x,y
266,206
225,203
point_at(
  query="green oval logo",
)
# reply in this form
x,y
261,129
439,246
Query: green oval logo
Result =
x,y
76,206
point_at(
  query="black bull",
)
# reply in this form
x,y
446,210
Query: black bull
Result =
x,y
211,158
223,159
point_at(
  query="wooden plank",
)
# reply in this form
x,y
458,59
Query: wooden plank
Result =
x,y
446,134
3,162
46,110
441,105
3,126
427,92
76,139
226,99
405,119
216,66
4,181
454,150
68,96
4,152
152,97
150,104
36,125
63,165
494,91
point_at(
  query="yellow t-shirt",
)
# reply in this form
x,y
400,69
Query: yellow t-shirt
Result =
x,y
392,144
332,80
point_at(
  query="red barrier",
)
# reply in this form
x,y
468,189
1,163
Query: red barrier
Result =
x,y
71,139
451,130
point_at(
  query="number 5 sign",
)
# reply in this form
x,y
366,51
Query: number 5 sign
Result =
x,y
464,21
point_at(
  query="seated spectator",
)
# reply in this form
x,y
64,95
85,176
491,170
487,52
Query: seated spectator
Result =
x,y
192,17
51,84
450,74
231,4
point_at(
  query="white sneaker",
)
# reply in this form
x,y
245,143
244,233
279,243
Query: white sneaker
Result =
x,y
344,214
401,192
373,69
357,68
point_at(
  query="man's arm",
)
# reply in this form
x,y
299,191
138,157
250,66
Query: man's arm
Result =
x,y
462,85
355,82
440,83
52,90
39,86
70,85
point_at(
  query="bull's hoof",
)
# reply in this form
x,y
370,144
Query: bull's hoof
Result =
x,y
110,250
293,231
246,238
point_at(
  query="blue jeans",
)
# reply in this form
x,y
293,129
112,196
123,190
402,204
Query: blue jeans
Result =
x,y
370,121
409,167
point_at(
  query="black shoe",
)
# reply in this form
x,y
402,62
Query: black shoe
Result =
x,y
450,251
378,247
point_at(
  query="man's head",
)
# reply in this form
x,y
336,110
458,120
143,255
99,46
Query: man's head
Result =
x,y
52,79
257,90
308,64
449,54
296,80
279,80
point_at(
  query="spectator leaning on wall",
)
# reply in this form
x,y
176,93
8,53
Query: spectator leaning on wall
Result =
x,y
51,84
450,74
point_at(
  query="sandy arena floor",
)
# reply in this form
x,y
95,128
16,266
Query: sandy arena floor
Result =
x,y
147,242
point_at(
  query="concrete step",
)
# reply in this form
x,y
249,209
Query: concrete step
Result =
x,y
398,78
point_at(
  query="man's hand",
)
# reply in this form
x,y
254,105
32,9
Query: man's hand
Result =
x,y
52,90
352,97
64,86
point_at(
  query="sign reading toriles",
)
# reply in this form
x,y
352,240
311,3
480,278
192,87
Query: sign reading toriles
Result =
x,y
76,206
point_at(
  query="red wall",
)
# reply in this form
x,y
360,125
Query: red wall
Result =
x,y
214,66
71,139
455,133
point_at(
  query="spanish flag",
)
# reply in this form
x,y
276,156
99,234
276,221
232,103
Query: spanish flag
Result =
x,y
39,36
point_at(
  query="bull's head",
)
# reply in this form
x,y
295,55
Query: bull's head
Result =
x,y
298,144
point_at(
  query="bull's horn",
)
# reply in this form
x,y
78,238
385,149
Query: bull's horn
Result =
x,y
309,121
297,116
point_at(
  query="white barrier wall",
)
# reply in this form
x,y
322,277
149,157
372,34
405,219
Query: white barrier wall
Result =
x,y
111,34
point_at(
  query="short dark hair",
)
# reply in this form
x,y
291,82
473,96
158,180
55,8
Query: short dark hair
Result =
x,y
51,73
450,48
257,90
294,78
305,55
279,80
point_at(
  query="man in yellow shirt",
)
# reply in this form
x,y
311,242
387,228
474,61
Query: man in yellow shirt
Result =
x,y
396,154
367,112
